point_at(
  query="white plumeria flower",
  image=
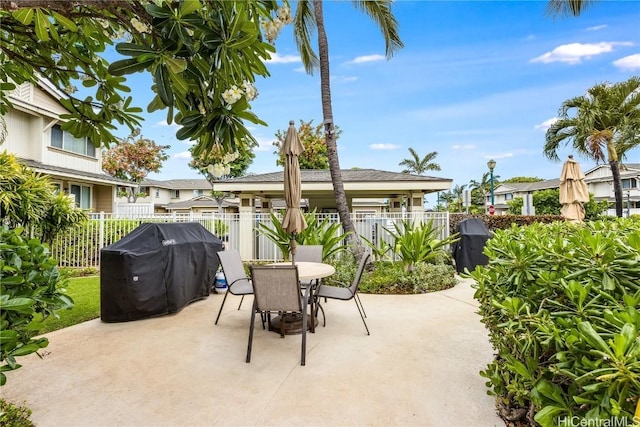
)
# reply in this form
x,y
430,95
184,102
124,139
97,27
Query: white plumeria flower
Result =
x,y
216,170
284,14
139,26
250,90
232,95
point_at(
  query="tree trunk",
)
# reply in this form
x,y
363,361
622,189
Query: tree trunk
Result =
x,y
330,137
617,185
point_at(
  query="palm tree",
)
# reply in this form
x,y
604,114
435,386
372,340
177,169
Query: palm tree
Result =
x,y
457,196
309,16
480,189
607,119
419,165
568,7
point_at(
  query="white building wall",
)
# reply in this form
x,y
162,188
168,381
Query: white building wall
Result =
x,y
23,135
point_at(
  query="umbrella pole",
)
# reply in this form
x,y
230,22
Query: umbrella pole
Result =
x,y
293,245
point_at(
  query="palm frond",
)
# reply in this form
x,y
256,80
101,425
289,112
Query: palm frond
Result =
x,y
380,12
304,25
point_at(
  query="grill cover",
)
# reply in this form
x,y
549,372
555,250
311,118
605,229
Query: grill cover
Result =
x,y
157,269
467,252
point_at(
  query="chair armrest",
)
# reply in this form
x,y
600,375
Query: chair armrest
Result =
x,y
238,280
334,283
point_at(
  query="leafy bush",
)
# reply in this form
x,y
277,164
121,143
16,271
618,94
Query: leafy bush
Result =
x,y
13,415
416,242
427,277
30,284
502,222
561,303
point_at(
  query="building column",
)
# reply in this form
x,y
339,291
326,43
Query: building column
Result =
x,y
395,205
246,213
416,205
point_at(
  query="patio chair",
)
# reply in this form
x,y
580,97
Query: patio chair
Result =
x,y
308,253
341,291
237,281
277,289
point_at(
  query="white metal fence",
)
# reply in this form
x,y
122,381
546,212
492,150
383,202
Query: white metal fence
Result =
x,y
81,247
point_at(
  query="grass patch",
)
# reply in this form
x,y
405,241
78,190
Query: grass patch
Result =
x,y
85,292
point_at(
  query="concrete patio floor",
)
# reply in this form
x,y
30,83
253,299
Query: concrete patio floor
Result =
x,y
419,367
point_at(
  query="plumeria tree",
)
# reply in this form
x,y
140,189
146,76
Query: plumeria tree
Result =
x,y
203,57
216,165
132,159
313,139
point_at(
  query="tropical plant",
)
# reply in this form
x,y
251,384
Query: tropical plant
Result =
x,y
308,17
29,200
30,285
380,250
318,232
419,165
416,242
133,159
603,125
568,7
203,56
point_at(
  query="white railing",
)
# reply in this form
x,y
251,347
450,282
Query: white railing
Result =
x,y
124,210
80,247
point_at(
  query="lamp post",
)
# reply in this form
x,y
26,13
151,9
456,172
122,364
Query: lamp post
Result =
x,y
491,164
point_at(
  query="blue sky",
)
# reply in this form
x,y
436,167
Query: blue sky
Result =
x,y
476,80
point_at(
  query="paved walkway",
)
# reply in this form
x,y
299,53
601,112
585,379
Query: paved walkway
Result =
x,y
419,367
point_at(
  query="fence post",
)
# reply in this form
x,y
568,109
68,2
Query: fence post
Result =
x,y
101,235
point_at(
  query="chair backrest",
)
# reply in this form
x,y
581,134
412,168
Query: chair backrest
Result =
x,y
308,253
276,288
356,279
232,266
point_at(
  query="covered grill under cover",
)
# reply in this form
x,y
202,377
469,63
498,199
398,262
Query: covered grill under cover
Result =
x,y
467,252
157,269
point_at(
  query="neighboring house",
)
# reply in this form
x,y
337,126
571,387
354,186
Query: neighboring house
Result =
x,y
504,193
35,137
599,182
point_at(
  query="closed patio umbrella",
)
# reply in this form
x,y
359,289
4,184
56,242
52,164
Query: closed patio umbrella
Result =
x,y
293,222
573,191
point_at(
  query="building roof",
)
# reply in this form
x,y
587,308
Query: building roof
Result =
x,y
73,174
361,183
348,175
200,202
525,187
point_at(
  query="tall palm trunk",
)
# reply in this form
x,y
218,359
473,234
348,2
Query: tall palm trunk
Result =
x,y
612,154
330,137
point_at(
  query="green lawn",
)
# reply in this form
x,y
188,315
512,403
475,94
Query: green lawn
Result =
x,y
85,292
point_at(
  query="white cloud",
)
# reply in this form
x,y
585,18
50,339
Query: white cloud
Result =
x,y
367,58
182,155
546,124
530,37
384,146
283,59
630,63
264,144
164,123
597,27
463,147
574,53
499,156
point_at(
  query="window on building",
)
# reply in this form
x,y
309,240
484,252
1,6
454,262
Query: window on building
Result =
x,y
157,193
198,193
81,195
57,187
508,196
629,183
175,194
65,141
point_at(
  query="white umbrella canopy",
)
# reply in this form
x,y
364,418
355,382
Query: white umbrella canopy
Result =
x,y
573,191
293,222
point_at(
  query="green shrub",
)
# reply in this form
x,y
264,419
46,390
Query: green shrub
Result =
x,y
427,277
561,303
13,415
30,284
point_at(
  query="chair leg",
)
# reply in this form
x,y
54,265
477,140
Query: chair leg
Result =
x,y
304,336
223,301
253,318
361,306
361,316
241,299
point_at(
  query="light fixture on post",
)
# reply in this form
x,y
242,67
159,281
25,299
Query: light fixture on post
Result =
x,y
491,164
